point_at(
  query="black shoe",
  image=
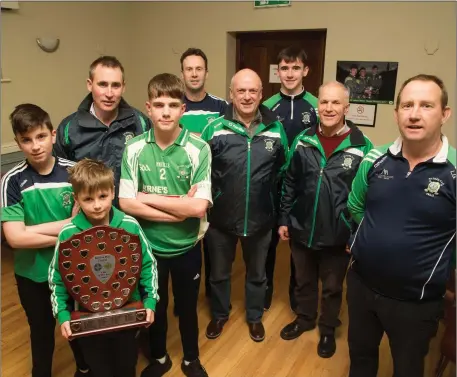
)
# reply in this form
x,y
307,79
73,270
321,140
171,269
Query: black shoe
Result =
x,y
256,331
215,327
327,346
194,369
268,298
294,329
157,369
78,373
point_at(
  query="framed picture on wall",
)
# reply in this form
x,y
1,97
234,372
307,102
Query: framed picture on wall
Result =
x,y
368,81
362,114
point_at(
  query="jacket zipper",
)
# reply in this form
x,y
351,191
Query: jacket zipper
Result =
x,y
316,201
248,181
344,220
292,107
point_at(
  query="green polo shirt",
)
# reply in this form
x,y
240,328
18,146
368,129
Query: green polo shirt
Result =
x,y
171,172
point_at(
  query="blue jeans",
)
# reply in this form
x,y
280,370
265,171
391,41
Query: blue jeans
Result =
x,y
222,248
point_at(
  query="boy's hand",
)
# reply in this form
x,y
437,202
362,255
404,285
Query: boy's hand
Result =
x,y
348,250
149,317
75,209
140,196
65,329
192,191
283,232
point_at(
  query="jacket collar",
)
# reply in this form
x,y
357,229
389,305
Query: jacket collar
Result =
x,y
180,140
187,100
81,221
291,98
356,136
86,119
441,157
341,131
267,115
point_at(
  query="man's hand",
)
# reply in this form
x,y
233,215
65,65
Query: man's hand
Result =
x,y
75,209
149,317
283,232
348,250
65,329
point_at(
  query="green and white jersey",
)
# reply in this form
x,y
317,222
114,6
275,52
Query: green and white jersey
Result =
x,y
35,199
171,172
199,114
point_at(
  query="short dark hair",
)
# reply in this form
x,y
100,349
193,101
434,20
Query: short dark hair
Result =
x,y
191,51
354,66
166,84
28,116
375,66
291,54
425,77
105,61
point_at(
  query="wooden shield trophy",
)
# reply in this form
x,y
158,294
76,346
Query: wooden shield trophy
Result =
x,y
100,268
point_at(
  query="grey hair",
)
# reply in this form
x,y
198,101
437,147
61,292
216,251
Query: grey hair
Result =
x,y
338,84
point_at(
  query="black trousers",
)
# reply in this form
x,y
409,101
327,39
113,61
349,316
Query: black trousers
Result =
x,y
222,247
408,325
329,265
112,354
204,245
185,271
35,298
270,268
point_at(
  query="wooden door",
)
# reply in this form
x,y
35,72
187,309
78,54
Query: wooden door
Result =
x,y
257,50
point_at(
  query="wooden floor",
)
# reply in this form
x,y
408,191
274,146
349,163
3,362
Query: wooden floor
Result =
x,y
234,354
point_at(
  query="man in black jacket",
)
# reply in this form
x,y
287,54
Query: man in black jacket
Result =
x,y
248,148
104,121
99,129
313,213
